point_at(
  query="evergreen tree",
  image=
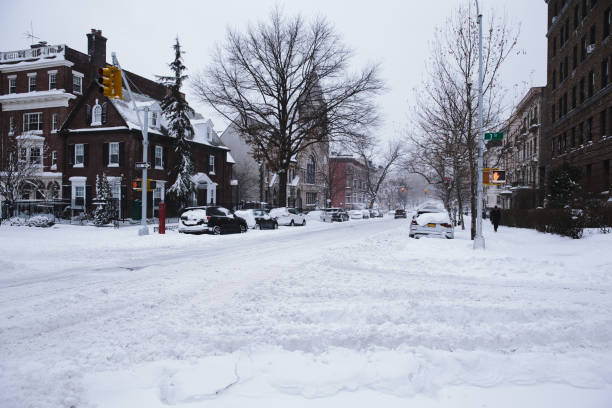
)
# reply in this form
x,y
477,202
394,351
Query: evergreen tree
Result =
x,y
105,211
177,111
563,186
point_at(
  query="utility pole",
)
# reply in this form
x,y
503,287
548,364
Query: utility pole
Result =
x,y
144,230
479,242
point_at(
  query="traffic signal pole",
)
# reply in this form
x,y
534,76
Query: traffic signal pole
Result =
x,y
479,241
144,230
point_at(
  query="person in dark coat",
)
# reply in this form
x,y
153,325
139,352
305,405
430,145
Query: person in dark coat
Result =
x,y
495,217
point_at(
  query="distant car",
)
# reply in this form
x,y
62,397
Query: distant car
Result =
x,y
263,220
430,221
214,219
334,214
356,214
399,213
366,214
288,216
375,213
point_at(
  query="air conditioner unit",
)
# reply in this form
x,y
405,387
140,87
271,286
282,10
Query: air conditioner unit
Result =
x,y
590,48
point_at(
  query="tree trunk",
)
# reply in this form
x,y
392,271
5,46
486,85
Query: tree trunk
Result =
x,y
282,188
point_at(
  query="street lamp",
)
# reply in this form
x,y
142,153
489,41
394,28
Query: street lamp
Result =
x,y
479,242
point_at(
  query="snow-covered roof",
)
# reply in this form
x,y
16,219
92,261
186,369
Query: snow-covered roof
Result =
x,y
230,159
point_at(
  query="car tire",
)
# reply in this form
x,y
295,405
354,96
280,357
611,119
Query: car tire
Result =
x,y
257,226
216,230
243,228
291,224
276,225
304,222
411,235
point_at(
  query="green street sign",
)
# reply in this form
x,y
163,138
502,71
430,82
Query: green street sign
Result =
x,y
494,136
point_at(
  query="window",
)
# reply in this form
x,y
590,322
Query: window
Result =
x,y
52,79
554,113
35,156
573,138
79,155
560,108
77,82
576,16
606,22
23,154
581,133
11,125
574,97
583,49
54,121
590,129
154,119
12,85
554,79
310,170
79,196
584,9
31,83
554,47
32,121
591,83
54,160
96,115
606,166
311,198
347,199
159,155
592,36
113,154
582,95
575,58
604,73
602,123
211,164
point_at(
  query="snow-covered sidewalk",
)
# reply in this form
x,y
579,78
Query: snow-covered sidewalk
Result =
x,y
326,315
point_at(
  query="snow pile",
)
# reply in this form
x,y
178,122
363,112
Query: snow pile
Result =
x,y
248,216
314,215
437,218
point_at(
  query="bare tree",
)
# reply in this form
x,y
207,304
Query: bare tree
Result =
x,y
284,85
389,157
447,107
247,172
21,168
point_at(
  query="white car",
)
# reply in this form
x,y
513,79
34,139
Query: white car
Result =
x,y
356,214
288,216
432,222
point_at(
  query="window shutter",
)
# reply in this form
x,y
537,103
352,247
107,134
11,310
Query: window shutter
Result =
x,y
104,111
88,195
164,157
88,114
105,153
151,158
85,154
121,153
66,192
71,154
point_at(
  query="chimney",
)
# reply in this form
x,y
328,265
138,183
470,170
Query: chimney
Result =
x,y
96,48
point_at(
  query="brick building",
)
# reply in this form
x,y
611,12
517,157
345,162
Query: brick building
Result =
x,y
50,99
348,179
578,108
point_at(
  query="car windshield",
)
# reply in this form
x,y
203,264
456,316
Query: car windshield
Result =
x,y
259,213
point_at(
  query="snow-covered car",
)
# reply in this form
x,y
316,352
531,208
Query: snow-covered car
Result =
x,y
258,219
334,214
366,214
356,214
431,222
288,216
376,213
213,219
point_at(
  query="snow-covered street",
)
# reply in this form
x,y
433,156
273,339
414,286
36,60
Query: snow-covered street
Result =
x,y
327,315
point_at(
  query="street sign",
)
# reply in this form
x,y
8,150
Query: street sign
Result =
x,y
494,136
143,165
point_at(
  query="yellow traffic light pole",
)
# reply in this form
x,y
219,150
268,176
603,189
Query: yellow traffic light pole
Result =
x,y
144,127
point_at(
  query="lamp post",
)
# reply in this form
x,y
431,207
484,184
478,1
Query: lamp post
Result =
x,y
479,242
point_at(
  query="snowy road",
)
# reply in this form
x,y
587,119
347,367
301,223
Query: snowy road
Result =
x,y
325,315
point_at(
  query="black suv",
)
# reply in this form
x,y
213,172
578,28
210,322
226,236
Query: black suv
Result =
x,y
214,219
399,213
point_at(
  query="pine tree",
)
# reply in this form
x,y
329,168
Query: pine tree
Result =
x,y
177,111
105,211
563,186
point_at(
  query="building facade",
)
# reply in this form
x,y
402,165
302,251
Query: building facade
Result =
x,y
348,179
578,94
77,134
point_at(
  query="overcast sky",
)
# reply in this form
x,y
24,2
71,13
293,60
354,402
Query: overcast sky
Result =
x,y
395,33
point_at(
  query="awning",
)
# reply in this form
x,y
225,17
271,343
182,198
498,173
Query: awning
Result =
x,y
202,181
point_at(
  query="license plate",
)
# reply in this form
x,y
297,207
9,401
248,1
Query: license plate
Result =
x,y
431,225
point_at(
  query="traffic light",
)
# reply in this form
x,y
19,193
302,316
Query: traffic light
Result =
x,y
109,81
137,184
498,176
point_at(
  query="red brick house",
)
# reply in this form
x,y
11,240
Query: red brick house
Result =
x,y
348,181
86,134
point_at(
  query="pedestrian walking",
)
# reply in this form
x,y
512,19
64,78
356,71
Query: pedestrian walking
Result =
x,y
495,217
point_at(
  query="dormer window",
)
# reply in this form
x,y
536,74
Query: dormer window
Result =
x,y
154,119
96,114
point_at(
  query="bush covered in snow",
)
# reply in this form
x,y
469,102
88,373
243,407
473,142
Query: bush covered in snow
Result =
x,y
42,220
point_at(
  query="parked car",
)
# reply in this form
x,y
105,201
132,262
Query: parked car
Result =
x,y
430,221
334,214
264,220
356,214
288,216
214,219
399,213
376,213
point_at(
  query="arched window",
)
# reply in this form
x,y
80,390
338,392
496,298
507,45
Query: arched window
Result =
x,y
96,115
310,170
